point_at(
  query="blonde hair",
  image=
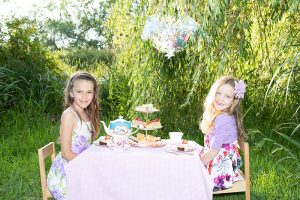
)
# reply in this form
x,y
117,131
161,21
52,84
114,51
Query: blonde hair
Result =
x,y
93,109
210,113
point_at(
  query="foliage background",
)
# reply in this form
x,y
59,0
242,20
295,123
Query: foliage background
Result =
x,y
257,41
254,41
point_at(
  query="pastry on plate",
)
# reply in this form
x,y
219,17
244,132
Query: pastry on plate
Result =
x,y
185,147
154,123
180,147
137,122
141,138
104,140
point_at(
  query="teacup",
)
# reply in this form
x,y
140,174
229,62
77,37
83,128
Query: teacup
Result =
x,y
175,137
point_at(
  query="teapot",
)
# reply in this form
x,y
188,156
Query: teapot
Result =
x,y
119,130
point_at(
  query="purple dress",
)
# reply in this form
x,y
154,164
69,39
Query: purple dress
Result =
x,y
223,137
56,179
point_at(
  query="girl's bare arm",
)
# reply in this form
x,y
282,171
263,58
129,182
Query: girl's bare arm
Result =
x,y
66,127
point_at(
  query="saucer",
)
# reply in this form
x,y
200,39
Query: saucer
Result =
x,y
113,147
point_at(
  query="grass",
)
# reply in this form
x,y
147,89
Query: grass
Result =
x,y
22,133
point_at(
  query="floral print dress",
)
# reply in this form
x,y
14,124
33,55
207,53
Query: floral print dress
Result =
x,y
224,167
56,179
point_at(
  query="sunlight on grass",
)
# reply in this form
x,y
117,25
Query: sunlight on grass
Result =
x,y
19,171
268,179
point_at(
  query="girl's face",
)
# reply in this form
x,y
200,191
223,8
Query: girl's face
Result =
x,y
224,98
83,93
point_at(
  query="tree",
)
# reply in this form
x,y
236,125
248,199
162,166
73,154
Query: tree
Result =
x,y
241,38
79,24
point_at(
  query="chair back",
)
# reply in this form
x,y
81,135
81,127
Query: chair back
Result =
x,y
45,152
244,146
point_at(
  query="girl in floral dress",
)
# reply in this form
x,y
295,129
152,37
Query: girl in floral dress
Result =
x,y
222,125
79,126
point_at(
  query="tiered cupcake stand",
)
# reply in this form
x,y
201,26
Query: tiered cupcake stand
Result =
x,y
146,110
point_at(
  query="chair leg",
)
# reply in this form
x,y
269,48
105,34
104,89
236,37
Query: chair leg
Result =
x,y
247,194
247,170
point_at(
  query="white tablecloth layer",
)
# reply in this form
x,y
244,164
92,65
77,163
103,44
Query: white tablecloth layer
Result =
x,y
100,173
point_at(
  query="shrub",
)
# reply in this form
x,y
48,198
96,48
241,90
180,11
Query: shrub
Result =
x,y
35,76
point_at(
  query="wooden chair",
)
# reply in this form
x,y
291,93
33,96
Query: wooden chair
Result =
x,y
243,185
45,152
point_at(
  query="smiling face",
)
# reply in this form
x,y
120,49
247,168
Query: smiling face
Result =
x,y
83,93
224,98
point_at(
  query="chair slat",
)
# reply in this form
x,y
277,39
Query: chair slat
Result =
x,y
45,152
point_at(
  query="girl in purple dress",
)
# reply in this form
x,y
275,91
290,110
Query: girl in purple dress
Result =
x,y
79,125
222,125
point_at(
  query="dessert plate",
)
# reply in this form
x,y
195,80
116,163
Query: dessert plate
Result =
x,y
186,150
160,143
102,140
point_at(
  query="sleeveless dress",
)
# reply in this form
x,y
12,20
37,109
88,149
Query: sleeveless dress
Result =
x,y
56,179
224,167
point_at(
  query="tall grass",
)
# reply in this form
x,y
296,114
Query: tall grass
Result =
x,y
286,147
8,88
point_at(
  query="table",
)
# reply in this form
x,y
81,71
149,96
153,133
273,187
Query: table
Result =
x,y
137,173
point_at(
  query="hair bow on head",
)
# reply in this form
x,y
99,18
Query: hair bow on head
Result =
x,y
239,89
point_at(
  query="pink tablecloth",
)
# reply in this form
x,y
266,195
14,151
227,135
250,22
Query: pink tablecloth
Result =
x,y
137,173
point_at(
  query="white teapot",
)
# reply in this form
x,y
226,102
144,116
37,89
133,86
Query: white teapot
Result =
x,y
119,130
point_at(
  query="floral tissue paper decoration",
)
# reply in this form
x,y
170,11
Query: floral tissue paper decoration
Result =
x,y
169,35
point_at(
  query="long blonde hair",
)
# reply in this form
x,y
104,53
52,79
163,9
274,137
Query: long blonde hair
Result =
x,y
93,109
210,113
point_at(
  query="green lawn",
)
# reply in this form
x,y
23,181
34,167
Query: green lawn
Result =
x,y
23,133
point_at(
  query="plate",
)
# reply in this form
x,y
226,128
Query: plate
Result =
x,y
102,139
111,146
141,127
160,143
146,109
187,149
175,143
